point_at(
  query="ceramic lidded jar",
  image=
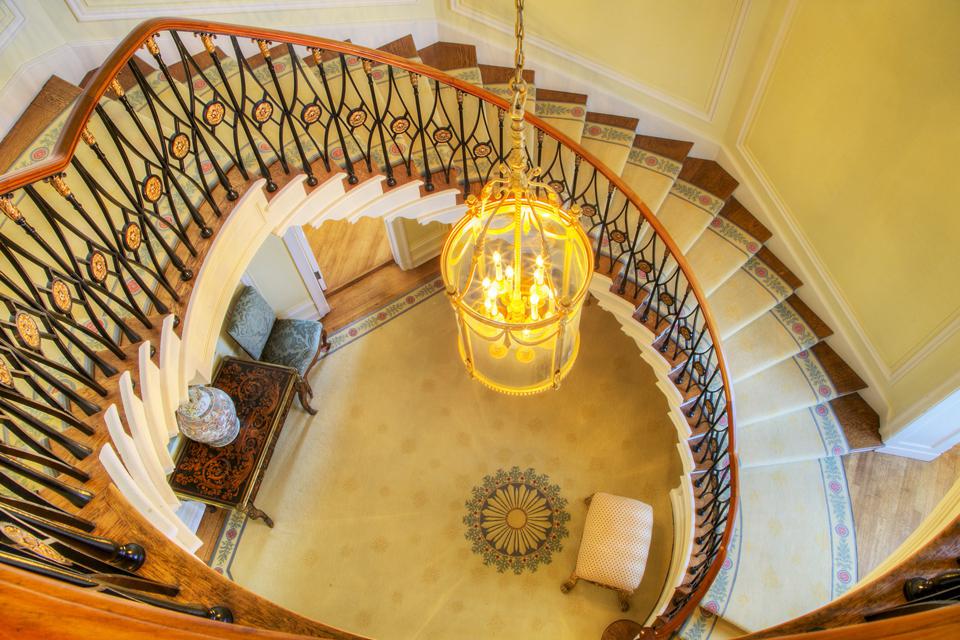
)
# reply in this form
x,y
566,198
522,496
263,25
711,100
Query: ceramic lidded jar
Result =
x,y
208,416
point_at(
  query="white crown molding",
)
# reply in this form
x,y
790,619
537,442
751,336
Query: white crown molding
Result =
x,y
13,26
84,11
706,112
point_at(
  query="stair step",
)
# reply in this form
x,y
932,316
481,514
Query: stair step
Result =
x,y
404,47
610,139
757,287
787,329
841,426
563,110
449,56
652,167
54,97
811,377
726,245
695,199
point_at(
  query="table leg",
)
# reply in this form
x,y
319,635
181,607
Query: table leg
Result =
x,y
256,514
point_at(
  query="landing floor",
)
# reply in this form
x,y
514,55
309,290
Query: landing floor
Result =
x,y
369,497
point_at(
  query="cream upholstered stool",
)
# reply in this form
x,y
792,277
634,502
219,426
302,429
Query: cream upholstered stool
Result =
x,y
614,546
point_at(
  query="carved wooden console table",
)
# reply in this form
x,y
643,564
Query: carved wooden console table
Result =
x,y
230,476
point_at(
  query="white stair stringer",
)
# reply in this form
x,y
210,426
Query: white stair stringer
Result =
x,y
425,207
353,200
304,206
381,206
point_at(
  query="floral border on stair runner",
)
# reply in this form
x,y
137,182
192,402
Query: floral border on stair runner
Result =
x,y
816,377
834,442
565,110
697,197
767,278
799,330
735,235
653,162
843,539
608,133
226,545
516,520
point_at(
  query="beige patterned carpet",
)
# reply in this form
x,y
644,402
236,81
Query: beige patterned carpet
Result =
x,y
370,495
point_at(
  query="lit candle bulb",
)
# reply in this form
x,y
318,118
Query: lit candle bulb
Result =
x,y
509,272
498,268
534,307
486,283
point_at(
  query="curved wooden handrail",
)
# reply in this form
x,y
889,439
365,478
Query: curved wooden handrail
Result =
x,y
70,137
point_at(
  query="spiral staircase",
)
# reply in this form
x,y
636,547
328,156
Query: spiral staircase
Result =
x,y
127,195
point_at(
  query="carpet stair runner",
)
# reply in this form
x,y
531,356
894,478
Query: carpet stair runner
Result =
x,y
798,410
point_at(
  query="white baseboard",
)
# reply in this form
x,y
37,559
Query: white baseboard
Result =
x,y
304,311
909,450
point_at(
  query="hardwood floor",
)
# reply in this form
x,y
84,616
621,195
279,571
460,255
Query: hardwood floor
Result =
x,y
350,303
891,496
347,251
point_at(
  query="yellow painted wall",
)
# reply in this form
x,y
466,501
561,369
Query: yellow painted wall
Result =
x,y
664,57
639,38
855,132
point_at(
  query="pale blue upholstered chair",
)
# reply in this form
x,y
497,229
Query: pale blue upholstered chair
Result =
x,y
292,343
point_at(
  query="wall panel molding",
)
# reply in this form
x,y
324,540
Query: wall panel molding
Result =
x,y
11,19
706,112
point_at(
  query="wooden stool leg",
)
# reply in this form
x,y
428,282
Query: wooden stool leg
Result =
x,y
569,584
257,514
304,392
624,598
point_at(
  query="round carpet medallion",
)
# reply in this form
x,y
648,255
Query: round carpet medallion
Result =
x,y
516,520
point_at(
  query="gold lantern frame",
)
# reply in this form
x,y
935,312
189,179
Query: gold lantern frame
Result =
x,y
528,313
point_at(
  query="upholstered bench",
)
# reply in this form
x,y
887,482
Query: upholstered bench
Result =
x,y
614,546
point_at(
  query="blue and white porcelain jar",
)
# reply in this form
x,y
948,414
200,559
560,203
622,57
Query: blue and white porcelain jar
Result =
x,y
208,416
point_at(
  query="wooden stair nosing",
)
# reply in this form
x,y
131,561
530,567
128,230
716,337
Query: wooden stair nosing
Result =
x,y
202,60
621,122
491,74
549,95
404,47
845,380
709,176
54,97
860,423
768,258
448,56
673,149
737,214
818,326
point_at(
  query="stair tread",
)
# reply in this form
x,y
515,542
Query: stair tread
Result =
x,y
666,147
818,326
203,61
405,47
709,176
768,258
550,95
491,74
740,216
621,122
447,56
861,424
53,98
845,380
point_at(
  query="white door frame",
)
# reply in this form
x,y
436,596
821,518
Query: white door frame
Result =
x,y
296,241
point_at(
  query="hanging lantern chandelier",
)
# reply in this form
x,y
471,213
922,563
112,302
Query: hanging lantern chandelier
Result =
x,y
516,268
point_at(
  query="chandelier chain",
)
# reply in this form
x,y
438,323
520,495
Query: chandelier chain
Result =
x,y
516,160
